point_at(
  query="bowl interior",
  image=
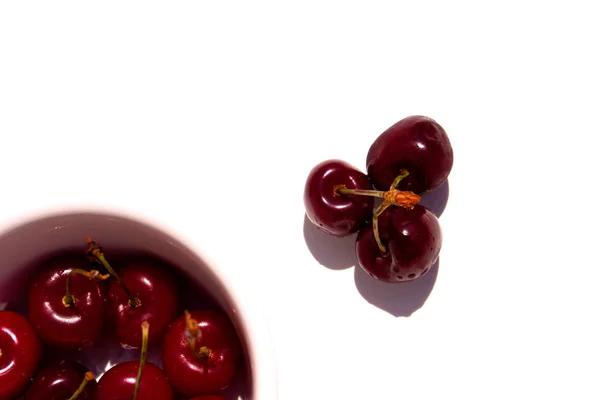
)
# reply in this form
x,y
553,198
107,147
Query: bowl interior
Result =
x,y
24,247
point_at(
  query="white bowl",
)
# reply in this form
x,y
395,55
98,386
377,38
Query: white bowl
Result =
x,y
36,236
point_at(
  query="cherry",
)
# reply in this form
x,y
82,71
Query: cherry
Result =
x,y
201,352
143,290
413,240
408,240
20,354
135,379
66,380
416,143
209,397
65,304
326,208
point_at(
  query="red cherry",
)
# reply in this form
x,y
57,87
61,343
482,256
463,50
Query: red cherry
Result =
x,y
135,379
67,323
20,354
209,397
143,290
212,363
118,383
150,282
413,238
416,143
61,381
326,208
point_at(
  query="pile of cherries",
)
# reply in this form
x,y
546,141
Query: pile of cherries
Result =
x,y
71,305
399,240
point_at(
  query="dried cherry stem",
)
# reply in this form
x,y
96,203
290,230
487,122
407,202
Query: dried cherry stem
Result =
x,y
144,354
88,377
95,253
193,334
392,197
68,300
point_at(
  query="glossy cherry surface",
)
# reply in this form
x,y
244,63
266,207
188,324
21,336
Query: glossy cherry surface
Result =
x,y
74,327
59,381
20,354
209,397
192,375
155,286
336,214
413,239
416,143
118,383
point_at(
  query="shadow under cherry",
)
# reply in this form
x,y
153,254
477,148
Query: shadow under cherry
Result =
x,y
436,200
330,251
401,299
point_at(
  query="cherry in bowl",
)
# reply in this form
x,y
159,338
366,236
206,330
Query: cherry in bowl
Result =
x,y
201,352
144,289
20,354
63,380
66,302
135,379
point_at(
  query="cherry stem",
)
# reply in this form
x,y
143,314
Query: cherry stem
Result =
x,y
88,377
343,190
193,334
393,197
96,253
145,329
68,300
382,207
403,174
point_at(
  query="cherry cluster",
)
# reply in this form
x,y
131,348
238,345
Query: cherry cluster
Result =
x,y
75,299
398,239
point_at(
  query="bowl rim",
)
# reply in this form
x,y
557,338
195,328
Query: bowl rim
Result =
x,y
264,379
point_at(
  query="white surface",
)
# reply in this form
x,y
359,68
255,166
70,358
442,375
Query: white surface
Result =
x,y
208,118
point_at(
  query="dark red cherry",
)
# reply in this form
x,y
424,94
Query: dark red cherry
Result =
x,y
62,380
143,290
118,383
413,239
416,143
135,379
74,324
212,364
209,397
151,282
330,211
20,354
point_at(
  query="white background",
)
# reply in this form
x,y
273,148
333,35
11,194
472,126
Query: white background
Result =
x,y
209,118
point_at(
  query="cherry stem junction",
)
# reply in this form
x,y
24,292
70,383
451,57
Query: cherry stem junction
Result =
x,y
88,377
68,300
95,253
193,334
392,197
144,354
